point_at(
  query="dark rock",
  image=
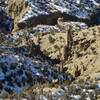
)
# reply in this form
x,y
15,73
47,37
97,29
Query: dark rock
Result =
x,y
6,22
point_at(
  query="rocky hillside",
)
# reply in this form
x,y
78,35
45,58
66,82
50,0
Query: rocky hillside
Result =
x,y
50,49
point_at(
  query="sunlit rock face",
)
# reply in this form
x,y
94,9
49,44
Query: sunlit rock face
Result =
x,y
6,22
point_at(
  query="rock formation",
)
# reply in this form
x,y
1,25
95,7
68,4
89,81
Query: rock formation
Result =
x,y
50,47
